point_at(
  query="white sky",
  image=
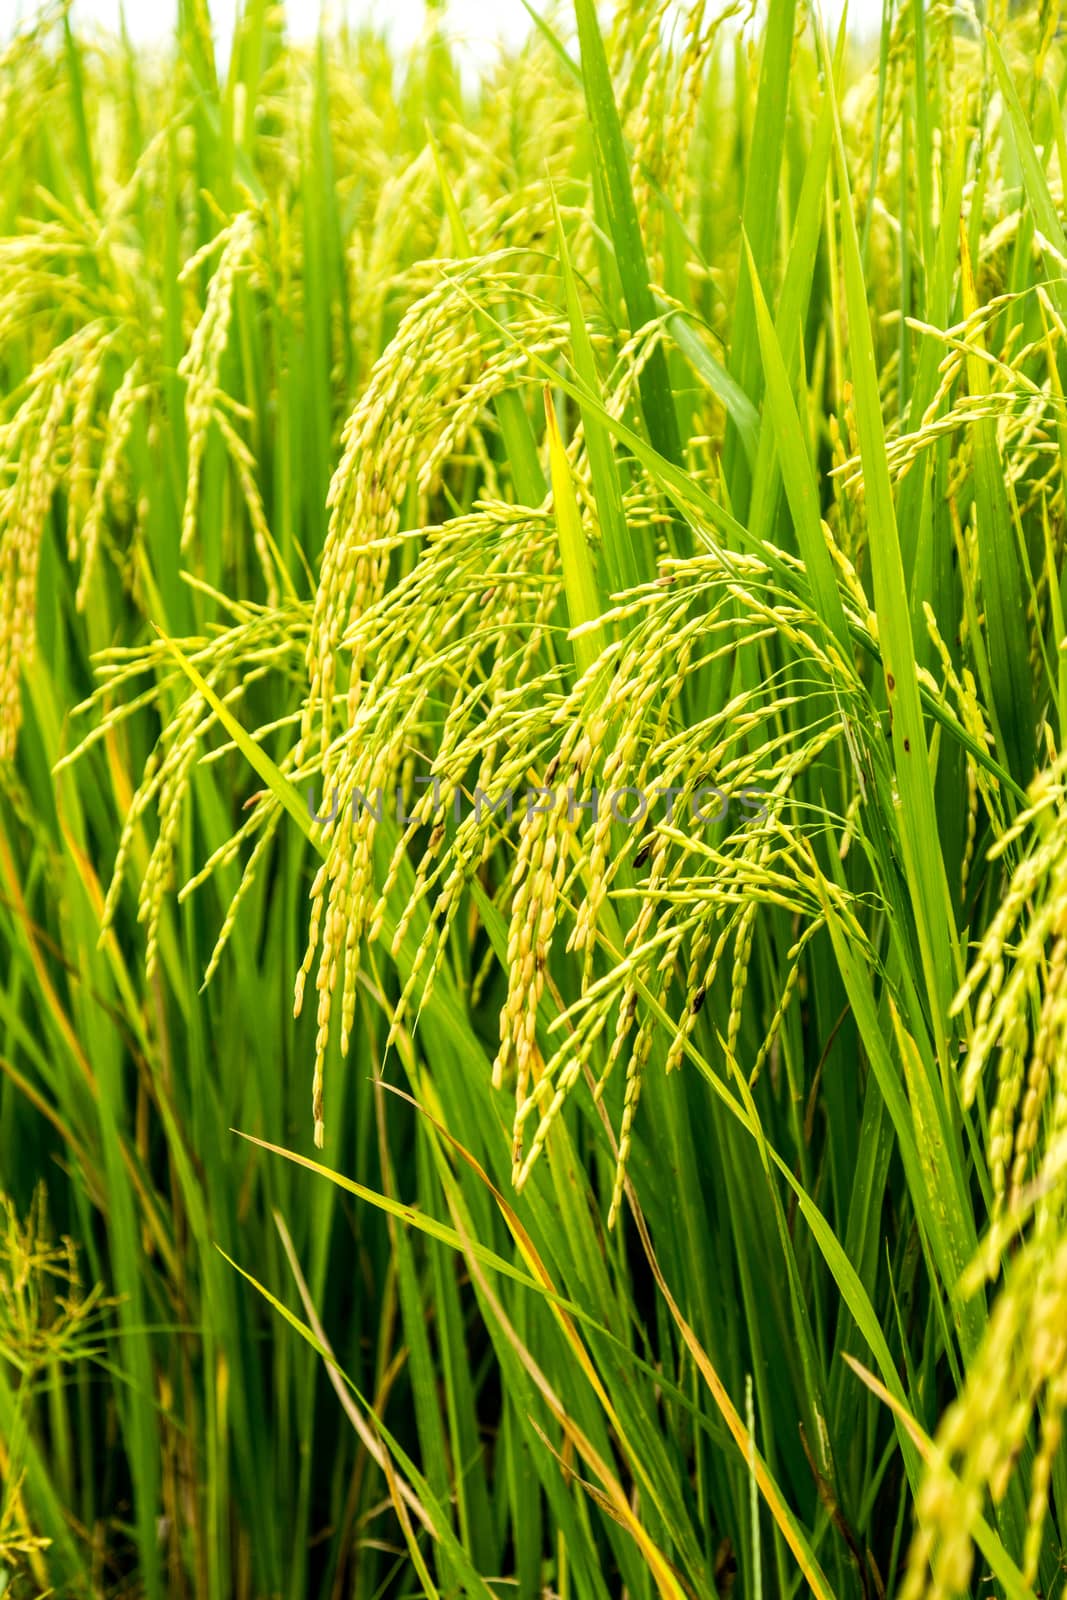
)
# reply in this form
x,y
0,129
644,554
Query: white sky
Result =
x,y
478,23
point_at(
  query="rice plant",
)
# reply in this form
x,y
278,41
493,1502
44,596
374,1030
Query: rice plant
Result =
x,y
533,810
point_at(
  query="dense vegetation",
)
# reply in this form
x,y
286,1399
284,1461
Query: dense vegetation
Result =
x,y
531,623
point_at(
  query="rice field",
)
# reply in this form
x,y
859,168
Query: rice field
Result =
x,y
533,808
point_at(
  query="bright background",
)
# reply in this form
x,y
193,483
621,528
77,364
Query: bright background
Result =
x,y
478,24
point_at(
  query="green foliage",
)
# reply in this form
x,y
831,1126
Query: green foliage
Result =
x,y
678,412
